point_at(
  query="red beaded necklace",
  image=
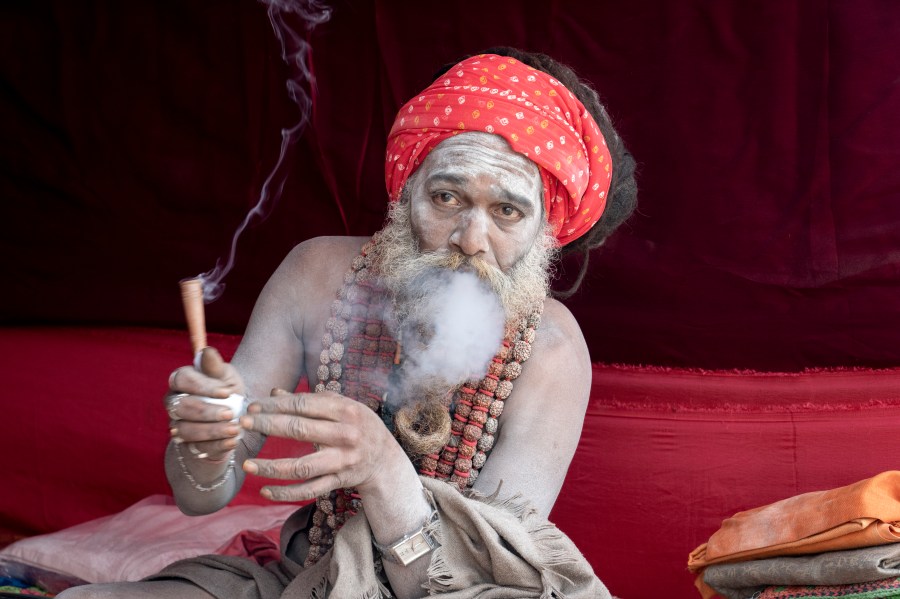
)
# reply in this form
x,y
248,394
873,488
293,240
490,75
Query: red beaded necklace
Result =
x,y
359,353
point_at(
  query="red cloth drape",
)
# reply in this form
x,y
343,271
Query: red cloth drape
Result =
x,y
136,137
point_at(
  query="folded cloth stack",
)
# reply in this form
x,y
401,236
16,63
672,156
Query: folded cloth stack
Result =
x,y
837,543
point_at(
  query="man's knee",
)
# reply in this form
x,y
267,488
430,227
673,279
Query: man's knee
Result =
x,y
170,589
91,591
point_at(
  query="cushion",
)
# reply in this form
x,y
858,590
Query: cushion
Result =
x,y
142,539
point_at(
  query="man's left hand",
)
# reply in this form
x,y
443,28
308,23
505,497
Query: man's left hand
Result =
x,y
351,440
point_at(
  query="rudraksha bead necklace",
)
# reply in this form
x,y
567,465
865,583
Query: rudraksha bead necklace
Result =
x,y
358,357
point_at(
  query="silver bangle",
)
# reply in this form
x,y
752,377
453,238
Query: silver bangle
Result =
x,y
229,469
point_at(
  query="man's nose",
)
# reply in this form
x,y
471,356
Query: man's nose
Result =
x,y
470,236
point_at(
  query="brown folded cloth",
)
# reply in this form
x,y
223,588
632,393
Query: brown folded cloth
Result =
x,y
863,514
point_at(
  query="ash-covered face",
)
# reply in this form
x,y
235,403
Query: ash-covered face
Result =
x,y
476,206
475,196
473,205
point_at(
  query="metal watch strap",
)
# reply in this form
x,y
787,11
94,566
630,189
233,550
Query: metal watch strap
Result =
x,y
412,546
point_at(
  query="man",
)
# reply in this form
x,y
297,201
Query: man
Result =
x,y
504,159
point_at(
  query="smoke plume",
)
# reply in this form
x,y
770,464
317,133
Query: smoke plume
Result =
x,y
453,326
295,53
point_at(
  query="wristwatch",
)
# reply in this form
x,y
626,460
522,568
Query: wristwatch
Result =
x,y
413,545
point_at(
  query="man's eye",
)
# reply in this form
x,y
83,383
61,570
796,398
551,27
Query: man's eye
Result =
x,y
444,197
507,211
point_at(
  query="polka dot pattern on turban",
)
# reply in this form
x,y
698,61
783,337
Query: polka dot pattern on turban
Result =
x,y
537,116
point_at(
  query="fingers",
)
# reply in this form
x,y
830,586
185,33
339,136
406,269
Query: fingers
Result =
x,y
212,450
186,407
315,469
301,491
194,432
302,468
215,378
205,441
187,379
212,363
321,406
352,438
302,429
208,431
215,438
172,403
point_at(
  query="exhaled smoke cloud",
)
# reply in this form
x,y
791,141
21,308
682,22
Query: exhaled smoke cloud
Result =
x,y
283,14
454,326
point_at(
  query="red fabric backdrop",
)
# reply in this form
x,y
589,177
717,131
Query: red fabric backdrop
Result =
x,y
136,137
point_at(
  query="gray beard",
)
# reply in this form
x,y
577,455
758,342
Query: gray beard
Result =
x,y
450,335
402,266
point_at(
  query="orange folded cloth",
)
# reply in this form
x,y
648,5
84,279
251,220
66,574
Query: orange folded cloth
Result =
x,y
863,514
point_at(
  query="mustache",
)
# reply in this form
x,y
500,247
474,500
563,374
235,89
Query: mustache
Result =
x,y
489,273
401,261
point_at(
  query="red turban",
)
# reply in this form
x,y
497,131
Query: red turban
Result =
x,y
534,112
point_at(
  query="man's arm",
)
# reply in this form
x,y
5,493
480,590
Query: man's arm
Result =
x,y
542,419
270,355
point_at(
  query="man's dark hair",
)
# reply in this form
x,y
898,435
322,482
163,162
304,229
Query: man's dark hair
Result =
x,y
622,197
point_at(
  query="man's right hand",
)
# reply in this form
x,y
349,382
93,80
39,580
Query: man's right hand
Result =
x,y
208,431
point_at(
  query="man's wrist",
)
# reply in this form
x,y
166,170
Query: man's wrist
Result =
x,y
221,479
413,545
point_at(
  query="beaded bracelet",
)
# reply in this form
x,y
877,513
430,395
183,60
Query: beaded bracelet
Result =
x,y
229,469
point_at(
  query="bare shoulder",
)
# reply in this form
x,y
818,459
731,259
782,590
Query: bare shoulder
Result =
x,y
557,374
320,258
559,341
558,371
315,267
290,313
313,272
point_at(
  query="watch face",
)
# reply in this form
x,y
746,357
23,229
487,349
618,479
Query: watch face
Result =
x,y
413,546
411,549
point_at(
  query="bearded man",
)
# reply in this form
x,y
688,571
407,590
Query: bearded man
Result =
x,y
434,485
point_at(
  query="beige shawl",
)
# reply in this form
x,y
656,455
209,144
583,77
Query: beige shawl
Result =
x,y
490,549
